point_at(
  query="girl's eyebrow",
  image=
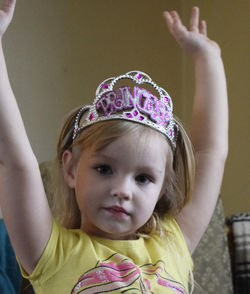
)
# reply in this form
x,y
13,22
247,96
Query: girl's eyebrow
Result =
x,y
149,169
102,155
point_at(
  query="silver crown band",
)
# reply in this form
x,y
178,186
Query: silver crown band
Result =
x,y
137,105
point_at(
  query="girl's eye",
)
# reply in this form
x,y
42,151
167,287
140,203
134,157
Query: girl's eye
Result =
x,y
143,179
104,169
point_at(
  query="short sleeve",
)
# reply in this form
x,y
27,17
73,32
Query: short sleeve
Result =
x,y
56,252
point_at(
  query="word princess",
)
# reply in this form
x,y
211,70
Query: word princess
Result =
x,y
141,100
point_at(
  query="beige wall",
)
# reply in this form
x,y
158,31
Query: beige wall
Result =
x,y
58,51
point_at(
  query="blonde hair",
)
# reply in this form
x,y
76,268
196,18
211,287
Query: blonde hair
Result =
x,y
178,181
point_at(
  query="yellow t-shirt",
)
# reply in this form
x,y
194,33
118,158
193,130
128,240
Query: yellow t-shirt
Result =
x,y
74,262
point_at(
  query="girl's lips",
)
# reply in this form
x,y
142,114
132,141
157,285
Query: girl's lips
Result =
x,y
117,210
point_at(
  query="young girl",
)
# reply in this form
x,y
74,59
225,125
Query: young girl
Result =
x,y
129,210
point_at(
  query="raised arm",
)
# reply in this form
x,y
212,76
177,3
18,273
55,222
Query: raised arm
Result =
x,y
22,198
209,126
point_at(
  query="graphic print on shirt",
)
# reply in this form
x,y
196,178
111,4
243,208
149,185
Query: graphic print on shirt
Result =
x,y
120,273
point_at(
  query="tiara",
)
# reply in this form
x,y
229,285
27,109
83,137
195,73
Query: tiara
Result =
x,y
133,104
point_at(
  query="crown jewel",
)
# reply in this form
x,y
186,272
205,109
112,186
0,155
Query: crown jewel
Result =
x,y
134,104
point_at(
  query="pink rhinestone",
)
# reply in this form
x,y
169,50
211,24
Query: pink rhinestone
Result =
x,y
129,115
140,117
139,76
91,116
135,112
171,132
105,86
167,99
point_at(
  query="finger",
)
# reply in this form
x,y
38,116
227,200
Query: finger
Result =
x,y
194,20
176,18
168,18
173,21
203,27
176,28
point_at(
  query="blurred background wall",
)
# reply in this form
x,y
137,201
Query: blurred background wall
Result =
x,y
59,51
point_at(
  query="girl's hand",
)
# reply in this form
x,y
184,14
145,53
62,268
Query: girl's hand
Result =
x,y
193,41
6,14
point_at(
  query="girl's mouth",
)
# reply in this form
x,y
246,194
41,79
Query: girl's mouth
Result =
x,y
117,210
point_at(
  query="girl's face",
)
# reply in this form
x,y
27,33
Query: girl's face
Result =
x,y
118,187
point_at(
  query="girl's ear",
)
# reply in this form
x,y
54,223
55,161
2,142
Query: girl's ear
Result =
x,y
68,167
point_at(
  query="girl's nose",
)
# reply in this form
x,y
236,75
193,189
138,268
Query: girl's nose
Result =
x,y
122,189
